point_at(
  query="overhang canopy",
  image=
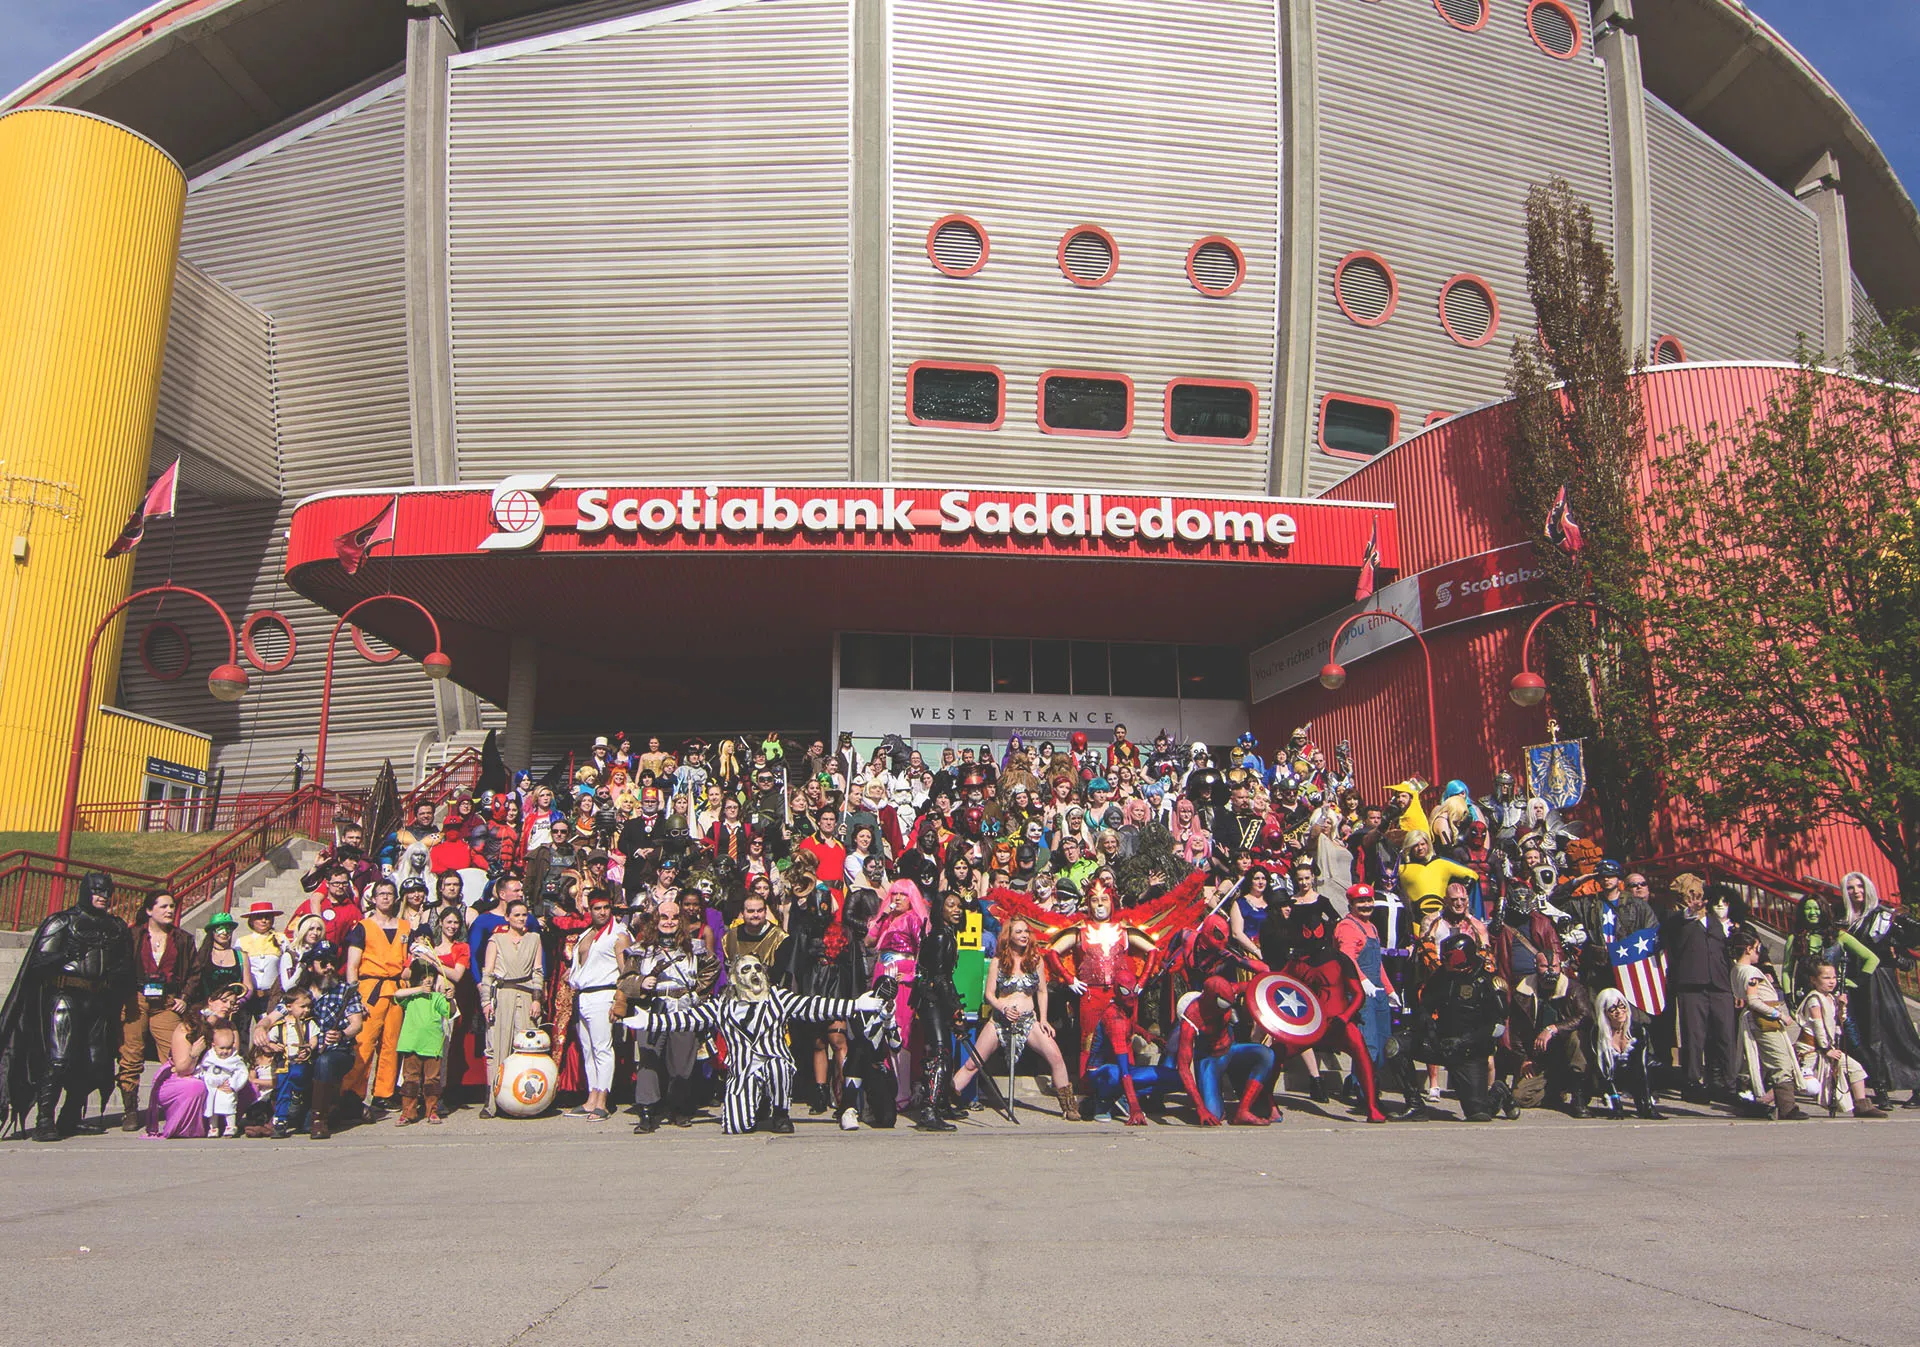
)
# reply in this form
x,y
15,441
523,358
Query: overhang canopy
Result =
x,y
710,619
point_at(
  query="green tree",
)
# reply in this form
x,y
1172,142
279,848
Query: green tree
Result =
x,y
1578,424
1785,606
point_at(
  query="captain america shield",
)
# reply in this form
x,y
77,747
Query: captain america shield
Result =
x,y
1287,1008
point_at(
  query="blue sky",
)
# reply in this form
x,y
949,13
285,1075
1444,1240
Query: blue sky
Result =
x,y
1868,49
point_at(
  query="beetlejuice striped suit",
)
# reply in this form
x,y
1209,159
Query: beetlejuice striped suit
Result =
x,y
759,1060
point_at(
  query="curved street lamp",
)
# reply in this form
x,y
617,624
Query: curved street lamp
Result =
x,y
1333,676
227,683
1529,688
434,665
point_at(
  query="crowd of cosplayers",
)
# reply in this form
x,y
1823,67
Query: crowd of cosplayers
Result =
x,y
752,928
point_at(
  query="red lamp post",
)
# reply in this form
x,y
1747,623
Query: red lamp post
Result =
x,y
1333,676
1529,688
227,683
435,665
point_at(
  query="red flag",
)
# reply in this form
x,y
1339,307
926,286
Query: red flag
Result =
x,y
1561,531
156,504
352,548
1368,560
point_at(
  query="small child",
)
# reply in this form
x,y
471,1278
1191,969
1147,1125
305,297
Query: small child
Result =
x,y
425,1009
292,1038
1767,1029
224,1072
1834,1075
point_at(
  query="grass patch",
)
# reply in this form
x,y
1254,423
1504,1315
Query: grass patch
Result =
x,y
157,853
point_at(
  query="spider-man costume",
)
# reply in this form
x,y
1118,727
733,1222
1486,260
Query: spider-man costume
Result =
x,y
1208,1057
1103,949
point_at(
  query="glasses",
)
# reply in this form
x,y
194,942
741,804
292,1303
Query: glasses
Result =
x,y
1636,883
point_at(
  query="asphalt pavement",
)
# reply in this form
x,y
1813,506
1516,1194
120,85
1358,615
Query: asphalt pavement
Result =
x,y
1697,1230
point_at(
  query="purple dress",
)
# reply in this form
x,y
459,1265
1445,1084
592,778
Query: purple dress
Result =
x,y
179,1107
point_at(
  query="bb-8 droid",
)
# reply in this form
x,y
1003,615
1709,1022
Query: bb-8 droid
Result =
x,y
528,1076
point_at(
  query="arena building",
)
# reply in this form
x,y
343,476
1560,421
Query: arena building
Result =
x,y
1058,325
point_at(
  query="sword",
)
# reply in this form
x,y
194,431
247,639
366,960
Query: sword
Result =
x,y
996,1099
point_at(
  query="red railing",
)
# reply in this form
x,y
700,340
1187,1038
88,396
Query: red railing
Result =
x,y
229,813
31,882
461,771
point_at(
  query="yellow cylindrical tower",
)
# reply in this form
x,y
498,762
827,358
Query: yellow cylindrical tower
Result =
x,y
89,232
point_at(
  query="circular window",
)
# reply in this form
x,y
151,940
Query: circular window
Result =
x,y
1468,14
1555,31
1089,256
1468,311
373,649
268,642
166,651
1364,288
1669,351
1216,266
957,246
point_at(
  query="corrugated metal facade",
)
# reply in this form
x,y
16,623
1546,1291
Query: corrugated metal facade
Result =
x,y
1450,487
1863,309
1727,290
1429,140
559,20
1157,124
649,234
309,230
216,407
118,746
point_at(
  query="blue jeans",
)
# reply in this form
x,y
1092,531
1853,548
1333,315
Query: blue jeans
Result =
x,y
291,1093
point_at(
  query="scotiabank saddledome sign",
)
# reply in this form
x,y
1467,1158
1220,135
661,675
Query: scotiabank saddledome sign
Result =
x,y
533,513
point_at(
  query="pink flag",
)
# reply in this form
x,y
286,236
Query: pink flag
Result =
x,y
156,504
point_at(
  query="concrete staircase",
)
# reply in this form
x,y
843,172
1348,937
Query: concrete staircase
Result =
x,y
276,879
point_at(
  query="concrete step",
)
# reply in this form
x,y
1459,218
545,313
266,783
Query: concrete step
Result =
x,y
276,879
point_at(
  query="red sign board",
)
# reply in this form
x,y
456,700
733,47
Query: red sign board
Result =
x,y
534,514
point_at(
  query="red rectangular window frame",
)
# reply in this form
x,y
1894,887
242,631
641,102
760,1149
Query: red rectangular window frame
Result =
x,y
999,377
1320,425
1040,402
1166,411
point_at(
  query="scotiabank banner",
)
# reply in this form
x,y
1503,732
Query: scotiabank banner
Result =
x,y
1489,582
533,513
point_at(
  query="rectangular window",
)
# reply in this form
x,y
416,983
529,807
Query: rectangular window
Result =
x,y
966,397
1144,671
1213,672
1212,411
1050,666
879,663
1090,668
1010,667
972,664
1356,427
932,664
1081,402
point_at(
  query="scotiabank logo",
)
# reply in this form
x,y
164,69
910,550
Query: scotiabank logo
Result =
x,y
516,514
1485,592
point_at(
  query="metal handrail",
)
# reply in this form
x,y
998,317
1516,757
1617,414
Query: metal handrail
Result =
x,y
435,785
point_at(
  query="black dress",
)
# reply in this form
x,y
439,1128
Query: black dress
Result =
x,y
1889,1047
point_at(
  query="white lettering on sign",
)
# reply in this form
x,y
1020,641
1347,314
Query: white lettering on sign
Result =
x,y
774,510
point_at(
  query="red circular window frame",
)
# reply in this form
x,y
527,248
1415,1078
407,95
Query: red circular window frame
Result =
x,y
1570,17
1239,257
1486,13
146,655
1493,328
1113,251
1668,339
1393,287
366,651
986,245
253,655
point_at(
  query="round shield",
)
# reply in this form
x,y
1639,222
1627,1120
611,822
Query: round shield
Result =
x,y
1287,1008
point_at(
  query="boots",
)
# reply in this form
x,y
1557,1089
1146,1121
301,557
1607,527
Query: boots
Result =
x,y
325,1095
1644,1108
649,1119
130,1110
1248,1114
46,1126
1069,1105
779,1123
679,1106
1320,1088
1785,1107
